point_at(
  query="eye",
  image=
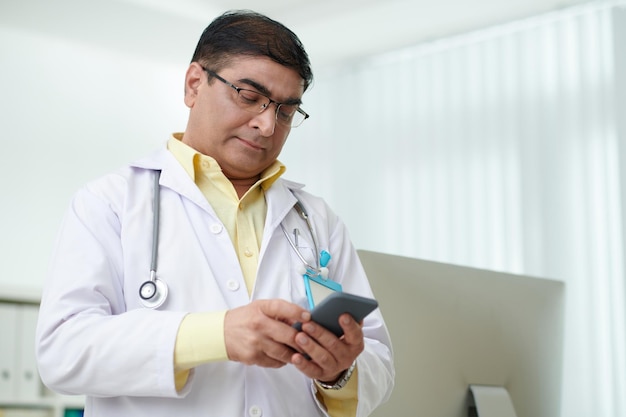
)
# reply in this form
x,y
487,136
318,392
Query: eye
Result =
x,y
250,97
286,112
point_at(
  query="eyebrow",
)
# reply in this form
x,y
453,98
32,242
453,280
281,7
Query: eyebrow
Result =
x,y
263,90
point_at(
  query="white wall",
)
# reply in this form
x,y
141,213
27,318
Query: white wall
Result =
x,y
70,111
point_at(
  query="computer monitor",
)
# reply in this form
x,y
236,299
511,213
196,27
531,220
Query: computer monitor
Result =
x,y
453,327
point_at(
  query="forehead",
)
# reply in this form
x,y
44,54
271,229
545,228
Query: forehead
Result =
x,y
266,75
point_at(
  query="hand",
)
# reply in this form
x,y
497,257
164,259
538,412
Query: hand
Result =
x,y
330,355
260,333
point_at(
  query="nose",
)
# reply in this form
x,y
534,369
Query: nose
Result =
x,y
265,121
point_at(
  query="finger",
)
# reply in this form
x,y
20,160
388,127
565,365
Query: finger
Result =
x,y
268,362
315,352
331,354
272,319
352,331
280,317
280,352
267,354
284,311
307,366
313,370
320,344
252,337
352,337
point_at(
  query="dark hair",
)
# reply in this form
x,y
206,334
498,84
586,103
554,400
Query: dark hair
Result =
x,y
244,32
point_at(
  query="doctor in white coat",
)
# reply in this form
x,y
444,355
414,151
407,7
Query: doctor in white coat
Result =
x,y
221,341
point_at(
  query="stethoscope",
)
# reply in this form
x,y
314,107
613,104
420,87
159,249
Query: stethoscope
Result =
x,y
153,292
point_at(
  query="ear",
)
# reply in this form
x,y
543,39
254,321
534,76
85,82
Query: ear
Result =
x,y
193,79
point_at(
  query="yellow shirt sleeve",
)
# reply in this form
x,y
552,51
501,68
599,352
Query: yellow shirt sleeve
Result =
x,y
341,402
200,340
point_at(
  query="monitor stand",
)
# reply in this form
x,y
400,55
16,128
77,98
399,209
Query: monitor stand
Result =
x,y
489,401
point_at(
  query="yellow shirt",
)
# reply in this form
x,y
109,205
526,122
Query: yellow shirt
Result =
x,y
201,335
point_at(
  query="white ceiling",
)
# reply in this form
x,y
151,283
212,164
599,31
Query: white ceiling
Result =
x,y
335,30
332,30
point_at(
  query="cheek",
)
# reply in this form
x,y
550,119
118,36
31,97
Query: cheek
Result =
x,y
280,142
218,119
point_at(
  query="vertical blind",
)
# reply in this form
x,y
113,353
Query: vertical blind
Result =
x,y
499,149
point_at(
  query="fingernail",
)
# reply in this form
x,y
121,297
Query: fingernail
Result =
x,y
302,339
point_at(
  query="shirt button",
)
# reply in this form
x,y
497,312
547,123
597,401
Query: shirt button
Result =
x,y
205,164
248,253
255,411
216,228
232,285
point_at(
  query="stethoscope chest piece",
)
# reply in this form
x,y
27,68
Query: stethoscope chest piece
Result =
x,y
153,293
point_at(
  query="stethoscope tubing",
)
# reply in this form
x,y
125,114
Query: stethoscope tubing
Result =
x,y
309,268
153,292
155,225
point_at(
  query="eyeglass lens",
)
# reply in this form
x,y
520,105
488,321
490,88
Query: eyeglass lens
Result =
x,y
286,114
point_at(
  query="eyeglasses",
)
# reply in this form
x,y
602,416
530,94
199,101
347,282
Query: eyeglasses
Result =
x,y
255,102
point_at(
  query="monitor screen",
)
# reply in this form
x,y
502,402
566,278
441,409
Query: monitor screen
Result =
x,y
453,326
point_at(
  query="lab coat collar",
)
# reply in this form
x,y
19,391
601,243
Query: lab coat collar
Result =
x,y
280,199
173,176
280,196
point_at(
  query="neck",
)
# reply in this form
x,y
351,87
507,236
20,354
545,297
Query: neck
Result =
x,y
243,185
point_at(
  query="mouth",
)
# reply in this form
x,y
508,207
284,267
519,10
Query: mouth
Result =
x,y
250,144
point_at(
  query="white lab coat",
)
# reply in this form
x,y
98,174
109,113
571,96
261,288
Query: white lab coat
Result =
x,y
94,337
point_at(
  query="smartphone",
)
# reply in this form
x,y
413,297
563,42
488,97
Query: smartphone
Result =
x,y
327,312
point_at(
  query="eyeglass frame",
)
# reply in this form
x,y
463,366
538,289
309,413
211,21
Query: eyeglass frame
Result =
x,y
266,106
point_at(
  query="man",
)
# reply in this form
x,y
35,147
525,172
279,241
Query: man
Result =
x,y
215,336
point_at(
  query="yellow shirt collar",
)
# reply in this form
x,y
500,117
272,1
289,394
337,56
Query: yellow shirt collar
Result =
x,y
190,159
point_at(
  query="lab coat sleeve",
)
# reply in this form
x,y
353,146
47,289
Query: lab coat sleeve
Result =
x,y
87,343
375,363
375,366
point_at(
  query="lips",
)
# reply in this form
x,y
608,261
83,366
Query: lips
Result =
x,y
250,144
